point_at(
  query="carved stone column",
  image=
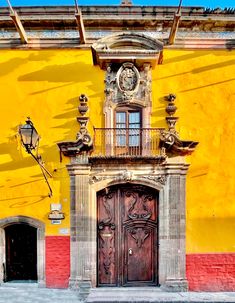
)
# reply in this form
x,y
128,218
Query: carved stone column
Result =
x,y
173,233
81,222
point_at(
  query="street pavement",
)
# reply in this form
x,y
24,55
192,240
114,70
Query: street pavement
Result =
x,y
31,293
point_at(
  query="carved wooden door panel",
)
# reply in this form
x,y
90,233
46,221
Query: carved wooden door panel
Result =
x,y
107,238
139,255
139,223
127,236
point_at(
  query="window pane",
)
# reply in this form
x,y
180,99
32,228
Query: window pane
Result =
x,y
134,117
120,117
134,137
129,124
121,137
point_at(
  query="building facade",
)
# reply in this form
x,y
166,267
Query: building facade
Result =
x,y
135,115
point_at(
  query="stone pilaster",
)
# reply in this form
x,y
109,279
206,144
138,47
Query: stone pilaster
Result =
x,y
174,229
81,225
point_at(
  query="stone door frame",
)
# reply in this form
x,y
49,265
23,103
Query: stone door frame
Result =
x,y
86,180
40,226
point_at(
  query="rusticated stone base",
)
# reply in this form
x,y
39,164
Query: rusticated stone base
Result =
x,y
173,285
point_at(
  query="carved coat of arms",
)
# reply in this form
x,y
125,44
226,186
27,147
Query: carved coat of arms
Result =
x,y
128,78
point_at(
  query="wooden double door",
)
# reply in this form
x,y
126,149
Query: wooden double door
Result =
x,y
127,232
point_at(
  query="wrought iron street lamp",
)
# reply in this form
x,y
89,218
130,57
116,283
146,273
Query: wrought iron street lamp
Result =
x,y
30,140
29,136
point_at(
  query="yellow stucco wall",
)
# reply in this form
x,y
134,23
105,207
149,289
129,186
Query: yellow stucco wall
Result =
x,y
204,82
45,85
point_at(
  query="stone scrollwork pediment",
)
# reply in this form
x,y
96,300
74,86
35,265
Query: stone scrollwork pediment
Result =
x,y
131,47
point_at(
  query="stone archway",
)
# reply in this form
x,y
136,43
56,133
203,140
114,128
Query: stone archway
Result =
x,y
86,180
40,226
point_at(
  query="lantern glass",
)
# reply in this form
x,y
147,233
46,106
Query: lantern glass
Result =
x,y
29,136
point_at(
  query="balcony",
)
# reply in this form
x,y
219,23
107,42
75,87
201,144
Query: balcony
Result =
x,y
126,142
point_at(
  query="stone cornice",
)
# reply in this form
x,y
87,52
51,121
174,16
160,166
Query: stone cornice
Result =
x,y
101,21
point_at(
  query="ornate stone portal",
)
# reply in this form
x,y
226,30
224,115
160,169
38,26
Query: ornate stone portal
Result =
x,y
129,83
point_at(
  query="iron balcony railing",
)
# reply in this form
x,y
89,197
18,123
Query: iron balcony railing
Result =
x,y
126,142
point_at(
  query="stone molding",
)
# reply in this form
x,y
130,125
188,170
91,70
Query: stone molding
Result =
x,y
129,176
127,47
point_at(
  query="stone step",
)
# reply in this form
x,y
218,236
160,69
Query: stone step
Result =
x,y
154,295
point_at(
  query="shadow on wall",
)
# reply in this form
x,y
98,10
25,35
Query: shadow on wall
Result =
x,y
48,153
191,55
65,74
12,64
208,85
203,69
218,233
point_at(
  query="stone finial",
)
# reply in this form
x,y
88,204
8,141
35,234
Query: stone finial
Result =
x,y
84,142
171,109
83,108
169,139
126,3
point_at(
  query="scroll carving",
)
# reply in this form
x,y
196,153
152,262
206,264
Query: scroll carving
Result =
x,y
139,234
106,231
158,179
106,241
124,176
108,220
139,209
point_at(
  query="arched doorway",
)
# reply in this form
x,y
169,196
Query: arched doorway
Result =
x,y
25,226
21,252
127,236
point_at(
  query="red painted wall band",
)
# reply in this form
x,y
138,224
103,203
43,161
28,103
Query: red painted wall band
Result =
x,y
57,261
211,272
205,272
